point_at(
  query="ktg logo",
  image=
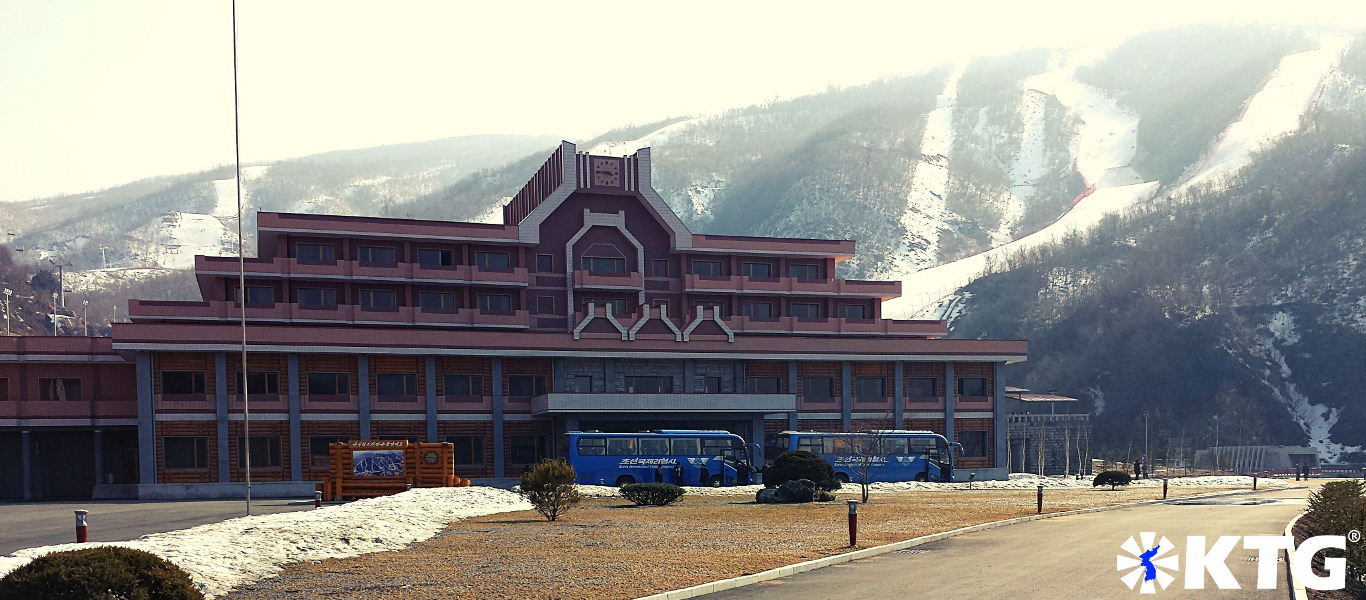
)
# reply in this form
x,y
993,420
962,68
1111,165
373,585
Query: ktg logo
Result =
x,y
1149,561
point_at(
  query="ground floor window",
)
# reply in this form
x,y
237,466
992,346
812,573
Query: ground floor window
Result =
x,y
469,449
974,443
186,452
319,448
650,384
764,385
265,451
528,449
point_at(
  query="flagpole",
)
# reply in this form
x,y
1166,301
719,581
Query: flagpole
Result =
x,y
241,268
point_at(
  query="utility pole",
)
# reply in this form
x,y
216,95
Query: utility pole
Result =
x,y
1147,457
85,316
9,296
116,315
1216,443
104,260
55,332
61,283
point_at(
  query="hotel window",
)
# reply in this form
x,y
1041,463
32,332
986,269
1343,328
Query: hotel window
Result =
x,y
764,385
757,270
650,384
378,300
182,382
375,256
396,387
923,387
758,310
469,449
432,257
711,385
328,384
602,265
974,443
853,311
265,451
545,305
870,389
436,301
462,385
545,263
184,452
314,253
528,449
805,311
258,382
972,386
320,449
804,272
494,303
257,296
818,388
659,267
4,389
526,386
618,305
493,261
59,389
580,384
317,298
706,268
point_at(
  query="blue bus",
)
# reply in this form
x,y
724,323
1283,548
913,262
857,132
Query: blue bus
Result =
x,y
889,455
678,456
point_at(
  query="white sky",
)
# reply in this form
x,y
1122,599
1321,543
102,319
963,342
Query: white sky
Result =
x,y
98,93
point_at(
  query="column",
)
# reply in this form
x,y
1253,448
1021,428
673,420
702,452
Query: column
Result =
x,y
609,376
26,463
498,462
898,395
689,376
147,433
739,376
792,388
363,370
220,403
998,413
296,442
846,407
430,391
950,391
99,457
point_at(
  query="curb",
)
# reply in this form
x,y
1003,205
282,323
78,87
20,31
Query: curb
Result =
x,y
1297,591
802,567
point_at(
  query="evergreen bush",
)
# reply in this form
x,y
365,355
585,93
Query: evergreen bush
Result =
x,y
1111,478
800,464
652,494
102,573
1335,509
550,488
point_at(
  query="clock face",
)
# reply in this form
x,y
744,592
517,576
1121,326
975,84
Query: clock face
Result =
x,y
606,172
430,457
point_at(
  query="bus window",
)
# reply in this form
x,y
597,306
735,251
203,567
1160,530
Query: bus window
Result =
x,y
592,446
774,445
715,446
834,445
653,446
812,444
894,445
621,446
687,447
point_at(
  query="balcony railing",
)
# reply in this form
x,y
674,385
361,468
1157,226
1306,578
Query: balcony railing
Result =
x,y
884,290
836,326
344,269
346,313
584,279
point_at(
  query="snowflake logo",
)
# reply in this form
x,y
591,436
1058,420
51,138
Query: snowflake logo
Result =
x,y
1146,563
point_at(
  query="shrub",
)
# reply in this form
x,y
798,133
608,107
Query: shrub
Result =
x,y
800,464
652,494
824,496
1335,509
550,488
99,574
1111,478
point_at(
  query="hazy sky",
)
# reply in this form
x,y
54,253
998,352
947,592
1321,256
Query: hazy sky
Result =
x,y
98,93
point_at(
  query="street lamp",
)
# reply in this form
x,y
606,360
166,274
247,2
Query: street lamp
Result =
x,y
85,313
54,314
1216,443
9,296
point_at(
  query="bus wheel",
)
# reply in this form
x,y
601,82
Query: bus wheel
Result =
x,y
715,481
842,477
625,480
922,477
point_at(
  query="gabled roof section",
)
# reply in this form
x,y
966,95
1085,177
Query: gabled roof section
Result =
x,y
567,171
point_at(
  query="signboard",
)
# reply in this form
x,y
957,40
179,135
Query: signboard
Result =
x,y
377,458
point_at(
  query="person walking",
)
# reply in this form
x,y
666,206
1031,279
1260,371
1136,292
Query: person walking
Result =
x,y
678,473
1138,468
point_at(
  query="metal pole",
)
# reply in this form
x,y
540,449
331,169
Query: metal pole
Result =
x,y
241,265
54,314
9,297
853,523
1164,489
1147,458
1040,511
61,284
81,531
85,316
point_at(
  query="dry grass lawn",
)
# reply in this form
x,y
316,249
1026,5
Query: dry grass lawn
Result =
x,y
605,548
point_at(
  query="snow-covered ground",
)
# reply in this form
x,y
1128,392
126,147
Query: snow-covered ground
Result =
x,y
1017,481
629,147
102,279
925,207
1274,111
221,556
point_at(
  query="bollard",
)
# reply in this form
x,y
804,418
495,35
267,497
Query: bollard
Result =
x,y
1164,489
1040,499
410,487
317,499
853,523
80,526
1254,483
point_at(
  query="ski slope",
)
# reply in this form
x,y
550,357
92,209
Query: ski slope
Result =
x,y
924,217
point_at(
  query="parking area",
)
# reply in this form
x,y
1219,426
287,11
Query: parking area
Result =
x,y
27,525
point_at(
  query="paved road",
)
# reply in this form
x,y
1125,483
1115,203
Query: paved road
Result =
x,y
1062,557
43,524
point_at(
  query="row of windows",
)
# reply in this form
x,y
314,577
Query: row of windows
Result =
x,y
386,256
50,389
656,446
338,384
876,387
380,300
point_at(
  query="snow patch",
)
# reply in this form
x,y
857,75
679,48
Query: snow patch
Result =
x,y
926,210
629,147
1316,420
181,236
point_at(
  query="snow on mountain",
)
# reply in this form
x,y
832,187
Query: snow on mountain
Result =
x,y
924,217
1274,111
1027,165
178,237
627,148
1317,420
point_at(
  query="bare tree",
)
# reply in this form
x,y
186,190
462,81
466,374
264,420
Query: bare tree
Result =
x,y
863,453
